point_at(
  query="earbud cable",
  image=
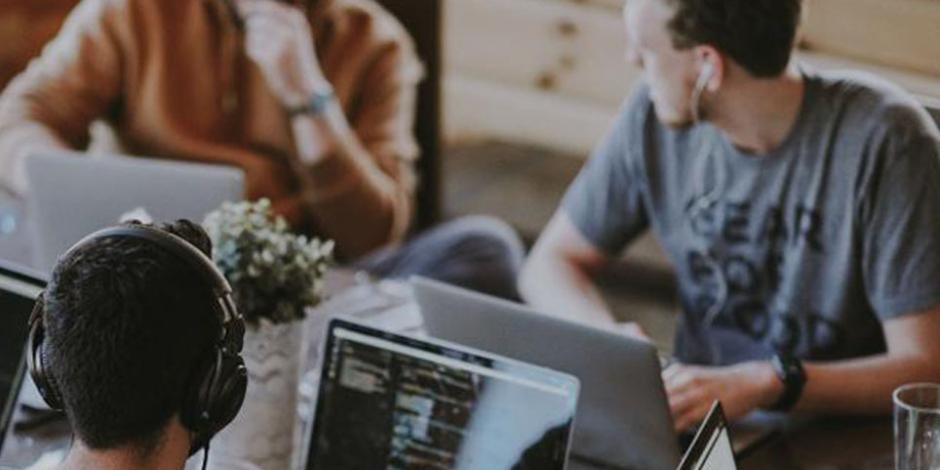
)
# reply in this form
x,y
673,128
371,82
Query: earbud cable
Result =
x,y
205,455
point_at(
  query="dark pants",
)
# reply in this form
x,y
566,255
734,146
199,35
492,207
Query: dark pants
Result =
x,y
478,253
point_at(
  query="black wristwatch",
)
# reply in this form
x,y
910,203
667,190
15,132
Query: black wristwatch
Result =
x,y
790,371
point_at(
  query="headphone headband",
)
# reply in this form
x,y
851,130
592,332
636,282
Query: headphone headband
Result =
x,y
175,244
230,318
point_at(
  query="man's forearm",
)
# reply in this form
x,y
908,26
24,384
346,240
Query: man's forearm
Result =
x,y
343,180
565,291
862,386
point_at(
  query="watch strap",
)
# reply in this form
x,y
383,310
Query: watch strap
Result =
x,y
790,371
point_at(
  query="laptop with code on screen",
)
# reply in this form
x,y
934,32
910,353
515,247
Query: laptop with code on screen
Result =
x,y
388,401
19,288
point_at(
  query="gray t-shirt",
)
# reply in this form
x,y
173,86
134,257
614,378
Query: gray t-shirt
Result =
x,y
805,249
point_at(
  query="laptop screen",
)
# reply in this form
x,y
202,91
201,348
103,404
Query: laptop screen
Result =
x,y
18,292
394,402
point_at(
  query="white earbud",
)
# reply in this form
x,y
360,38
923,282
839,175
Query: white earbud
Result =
x,y
704,76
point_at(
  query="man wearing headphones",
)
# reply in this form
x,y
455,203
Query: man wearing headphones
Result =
x,y
798,208
137,340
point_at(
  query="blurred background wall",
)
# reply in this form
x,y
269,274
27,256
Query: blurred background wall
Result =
x,y
562,60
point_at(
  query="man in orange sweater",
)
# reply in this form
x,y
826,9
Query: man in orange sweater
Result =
x,y
313,99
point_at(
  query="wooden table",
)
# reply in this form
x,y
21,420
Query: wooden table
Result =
x,y
820,445
813,445
828,444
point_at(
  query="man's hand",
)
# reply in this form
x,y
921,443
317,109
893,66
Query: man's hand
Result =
x,y
741,389
279,42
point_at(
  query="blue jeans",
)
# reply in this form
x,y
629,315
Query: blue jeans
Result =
x,y
478,253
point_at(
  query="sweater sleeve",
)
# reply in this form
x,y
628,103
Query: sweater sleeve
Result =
x,y
75,80
368,202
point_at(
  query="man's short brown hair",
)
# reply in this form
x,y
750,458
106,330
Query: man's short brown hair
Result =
x,y
758,34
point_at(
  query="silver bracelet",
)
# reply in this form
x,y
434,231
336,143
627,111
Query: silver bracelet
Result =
x,y
315,105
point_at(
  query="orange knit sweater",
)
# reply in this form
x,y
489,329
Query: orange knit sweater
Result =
x,y
172,81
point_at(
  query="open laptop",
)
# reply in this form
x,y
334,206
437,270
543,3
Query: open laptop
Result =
x,y
19,288
388,401
623,417
73,194
711,449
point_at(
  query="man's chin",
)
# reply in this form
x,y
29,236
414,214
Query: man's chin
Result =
x,y
672,119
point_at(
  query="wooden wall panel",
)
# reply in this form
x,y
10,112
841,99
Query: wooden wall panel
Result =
x,y
548,45
477,109
898,33
895,33
560,62
563,59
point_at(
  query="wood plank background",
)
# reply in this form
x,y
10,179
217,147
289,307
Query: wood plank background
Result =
x,y
551,72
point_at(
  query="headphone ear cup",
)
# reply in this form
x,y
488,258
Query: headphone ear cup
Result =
x,y
51,395
216,396
193,410
37,361
228,392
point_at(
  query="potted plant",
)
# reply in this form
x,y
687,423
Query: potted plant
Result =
x,y
275,277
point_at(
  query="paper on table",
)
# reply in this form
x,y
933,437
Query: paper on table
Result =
x,y
388,305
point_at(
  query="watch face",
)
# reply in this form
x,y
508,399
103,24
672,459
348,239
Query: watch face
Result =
x,y
793,368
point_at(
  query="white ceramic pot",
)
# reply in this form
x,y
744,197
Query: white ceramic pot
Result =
x,y
263,432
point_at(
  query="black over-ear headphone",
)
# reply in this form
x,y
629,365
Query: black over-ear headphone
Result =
x,y
217,388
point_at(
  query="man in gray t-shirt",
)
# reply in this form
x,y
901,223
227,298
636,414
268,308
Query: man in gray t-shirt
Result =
x,y
801,211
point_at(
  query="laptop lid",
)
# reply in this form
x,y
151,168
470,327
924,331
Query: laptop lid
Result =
x,y
623,415
711,449
73,194
392,401
18,291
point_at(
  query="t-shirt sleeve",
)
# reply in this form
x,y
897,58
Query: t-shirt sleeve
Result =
x,y
901,218
605,202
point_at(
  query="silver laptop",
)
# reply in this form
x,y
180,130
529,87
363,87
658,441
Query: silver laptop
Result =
x,y
72,194
388,401
623,417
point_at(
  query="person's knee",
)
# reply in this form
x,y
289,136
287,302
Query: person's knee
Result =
x,y
490,237
481,253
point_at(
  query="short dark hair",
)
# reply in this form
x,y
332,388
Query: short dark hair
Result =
x,y
758,34
126,324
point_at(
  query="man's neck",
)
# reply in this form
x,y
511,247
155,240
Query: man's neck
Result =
x,y
170,454
757,115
